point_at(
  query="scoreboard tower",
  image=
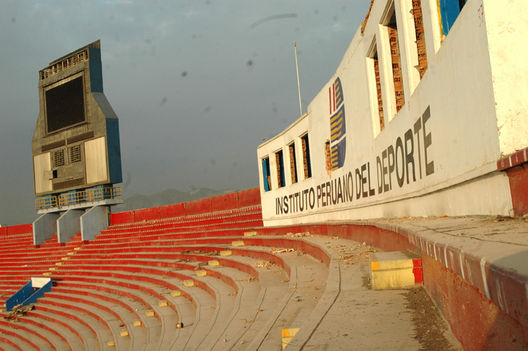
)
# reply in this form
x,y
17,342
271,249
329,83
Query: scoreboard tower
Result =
x,y
75,146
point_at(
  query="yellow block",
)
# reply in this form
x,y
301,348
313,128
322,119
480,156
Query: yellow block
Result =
x,y
65,258
58,263
176,293
237,243
123,333
77,248
188,283
213,263
392,264
162,303
225,253
250,233
137,324
287,336
201,273
149,313
110,343
46,274
52,268
71,253
392,279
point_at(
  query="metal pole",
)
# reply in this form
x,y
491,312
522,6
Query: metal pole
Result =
x,y
298,82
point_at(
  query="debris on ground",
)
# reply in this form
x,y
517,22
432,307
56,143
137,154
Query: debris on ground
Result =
x,y
299,235
275,250
18,311
263,264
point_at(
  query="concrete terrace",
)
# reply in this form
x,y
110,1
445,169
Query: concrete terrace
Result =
x,y
195,277
210,280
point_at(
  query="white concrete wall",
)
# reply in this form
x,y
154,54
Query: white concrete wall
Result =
x,y
69,224
45,227
507,26
93,221
456,104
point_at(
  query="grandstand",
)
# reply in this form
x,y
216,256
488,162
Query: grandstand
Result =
x,y
200,275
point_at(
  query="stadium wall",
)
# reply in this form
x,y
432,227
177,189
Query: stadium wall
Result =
x,y
245,198
433,148
16,229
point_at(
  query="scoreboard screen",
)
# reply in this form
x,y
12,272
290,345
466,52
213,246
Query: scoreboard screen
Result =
x,y
65,105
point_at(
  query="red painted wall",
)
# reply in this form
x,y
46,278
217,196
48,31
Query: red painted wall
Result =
x,y
476,322
16,229
518,177
250,197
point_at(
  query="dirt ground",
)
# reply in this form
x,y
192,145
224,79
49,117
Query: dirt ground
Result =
x,y
432,330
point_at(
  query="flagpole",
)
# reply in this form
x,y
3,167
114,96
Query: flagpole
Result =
x,y
298,82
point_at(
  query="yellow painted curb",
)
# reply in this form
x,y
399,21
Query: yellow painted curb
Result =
x,y
226,253
237,243
188,283
250,233
201,273
287,336
392,264
213,263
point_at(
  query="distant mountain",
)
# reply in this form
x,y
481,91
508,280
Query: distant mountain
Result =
x,y
166,197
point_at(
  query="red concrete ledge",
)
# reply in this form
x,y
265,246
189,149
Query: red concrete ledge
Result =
x,y
515,166
512,160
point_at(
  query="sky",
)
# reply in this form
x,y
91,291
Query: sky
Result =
x,y
197,85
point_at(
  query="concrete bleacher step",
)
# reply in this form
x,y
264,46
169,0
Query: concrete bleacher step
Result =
x,y
84,328
24,333
227,329
141,302
16,341
121,319
133,231
107,326
204,314
211,313
216,310
167,313
196,218
8,342
228,305
60,341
